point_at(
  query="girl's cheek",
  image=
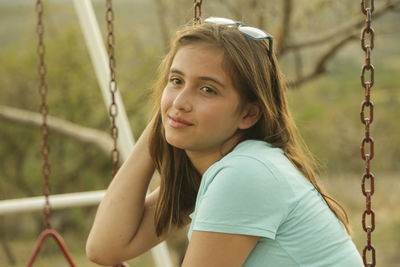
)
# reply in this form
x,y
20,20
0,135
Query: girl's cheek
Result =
x,y
164,99
167,98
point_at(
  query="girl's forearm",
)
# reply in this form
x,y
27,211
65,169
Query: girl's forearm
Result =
x,y
121,210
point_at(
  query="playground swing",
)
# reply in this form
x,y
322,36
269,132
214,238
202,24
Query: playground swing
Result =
x,y
366,107
45,149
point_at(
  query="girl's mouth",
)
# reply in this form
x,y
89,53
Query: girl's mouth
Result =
x,y
178,122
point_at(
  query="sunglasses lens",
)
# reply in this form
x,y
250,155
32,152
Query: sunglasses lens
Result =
x,y
254,32
249,31
224,21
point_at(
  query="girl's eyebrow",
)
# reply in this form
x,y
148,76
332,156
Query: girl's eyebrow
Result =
x,y
174,70
204,78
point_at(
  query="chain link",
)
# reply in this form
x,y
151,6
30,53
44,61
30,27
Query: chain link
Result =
x,y
44,129
367,107
197,11
113,110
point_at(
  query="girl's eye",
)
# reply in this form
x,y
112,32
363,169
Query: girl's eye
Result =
x,y
175,81
208,90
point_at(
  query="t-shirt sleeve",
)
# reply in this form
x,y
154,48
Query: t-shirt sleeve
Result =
x,y
242,197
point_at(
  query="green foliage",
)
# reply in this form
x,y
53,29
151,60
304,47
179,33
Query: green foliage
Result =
x,y
73,95
327,112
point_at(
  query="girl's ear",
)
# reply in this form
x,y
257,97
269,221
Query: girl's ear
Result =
x,y
251,114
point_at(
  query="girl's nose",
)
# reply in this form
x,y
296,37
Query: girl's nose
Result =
x,y
183,100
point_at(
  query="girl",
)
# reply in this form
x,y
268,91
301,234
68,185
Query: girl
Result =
x,y
228,153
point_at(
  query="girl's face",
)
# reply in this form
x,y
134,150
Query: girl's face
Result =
x,y
200,108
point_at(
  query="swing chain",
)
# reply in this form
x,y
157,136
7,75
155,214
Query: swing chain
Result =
x,y
367,45
197,11
43,89
113,109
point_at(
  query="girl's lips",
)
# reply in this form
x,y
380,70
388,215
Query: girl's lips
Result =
x,y
178,123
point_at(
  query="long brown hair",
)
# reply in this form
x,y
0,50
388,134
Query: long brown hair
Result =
x,y
257,78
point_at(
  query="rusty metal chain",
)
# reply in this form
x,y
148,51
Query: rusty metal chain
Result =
x,y
197,11
113,110
44,129
367,107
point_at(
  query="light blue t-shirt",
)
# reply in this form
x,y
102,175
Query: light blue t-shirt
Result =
x,y
255,190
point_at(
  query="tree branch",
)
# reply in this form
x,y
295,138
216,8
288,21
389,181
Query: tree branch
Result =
x,y
162,16
285,26
345,30
320,66
79,133
298,64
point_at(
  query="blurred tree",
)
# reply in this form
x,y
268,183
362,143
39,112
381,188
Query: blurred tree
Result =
x,y
330,26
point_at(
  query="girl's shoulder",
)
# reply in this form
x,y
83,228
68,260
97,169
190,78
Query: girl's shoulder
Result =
x,y
253,155
260,163
250,161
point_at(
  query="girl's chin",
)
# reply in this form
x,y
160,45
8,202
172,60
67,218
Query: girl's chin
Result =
x,y
175,143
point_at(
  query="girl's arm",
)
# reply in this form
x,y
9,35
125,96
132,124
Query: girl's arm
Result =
x,y
124,224
214,249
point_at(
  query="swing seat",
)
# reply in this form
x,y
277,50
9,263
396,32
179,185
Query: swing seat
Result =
x,y
60,242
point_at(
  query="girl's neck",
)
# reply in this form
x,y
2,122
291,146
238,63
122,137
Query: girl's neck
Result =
x,y
203,159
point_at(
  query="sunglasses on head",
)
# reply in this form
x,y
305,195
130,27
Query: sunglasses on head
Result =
x,y
249,31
